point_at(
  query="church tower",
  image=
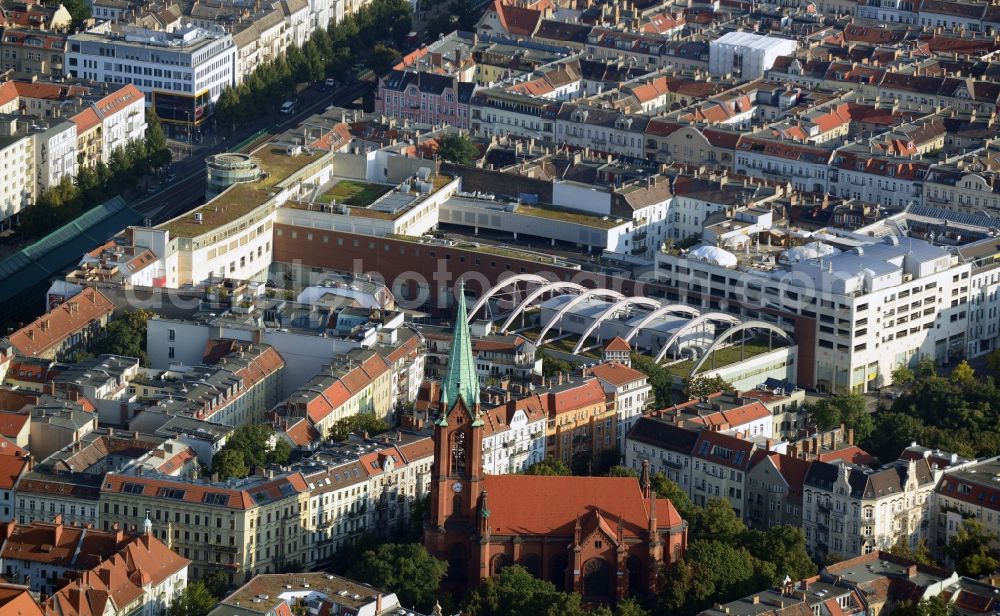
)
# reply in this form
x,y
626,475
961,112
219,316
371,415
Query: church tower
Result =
x,y
457,474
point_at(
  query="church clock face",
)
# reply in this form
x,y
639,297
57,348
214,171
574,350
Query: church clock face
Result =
x,y
457,487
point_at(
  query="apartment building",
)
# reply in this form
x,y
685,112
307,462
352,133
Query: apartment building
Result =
x,y
119,574
665,445
41,555
29,52
67,483
123,119
968,492
67,327
241,527
14,462
720,463
363,485
859,173
180,73
873,583
425,97
234,387
601,129
361,384
849,511
873,304
774,488
144,577
805,166
630,390
496,112
514,435
582,420
965,186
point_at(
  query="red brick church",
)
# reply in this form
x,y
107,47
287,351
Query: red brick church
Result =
x,y
603,537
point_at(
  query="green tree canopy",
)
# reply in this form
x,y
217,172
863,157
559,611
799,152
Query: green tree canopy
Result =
x,y
406,569
847,409
660,379
665,488
971,549
549,466
622,471
360,423
194,600
718,521
701,386
893,432
125,335
785,547
552,366
256,444
935,606
458,149
216,583
515,592
382,59
922,555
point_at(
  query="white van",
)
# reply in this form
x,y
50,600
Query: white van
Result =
x,y
287,107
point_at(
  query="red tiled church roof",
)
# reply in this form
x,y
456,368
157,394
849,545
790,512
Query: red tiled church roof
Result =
x,y
541,505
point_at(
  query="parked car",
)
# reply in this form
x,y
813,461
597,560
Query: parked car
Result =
x,y
288,107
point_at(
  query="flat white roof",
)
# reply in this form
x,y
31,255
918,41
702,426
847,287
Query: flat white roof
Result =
x,y
753,41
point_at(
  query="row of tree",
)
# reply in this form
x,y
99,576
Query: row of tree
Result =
x,y
371,34
98,183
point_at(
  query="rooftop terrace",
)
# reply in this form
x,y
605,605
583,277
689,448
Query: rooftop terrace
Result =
x,y
241,199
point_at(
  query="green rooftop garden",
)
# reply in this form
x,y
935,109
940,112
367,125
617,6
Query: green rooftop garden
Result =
x,y
241,199
354,193
726,355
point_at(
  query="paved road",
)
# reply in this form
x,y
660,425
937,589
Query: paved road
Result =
x,y
188,189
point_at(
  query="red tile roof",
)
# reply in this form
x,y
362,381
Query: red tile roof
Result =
x,y
11,424
119,580
735,417
302,433
617,344
792,470
617,374
196,492
584,394
86,120
59,544
539,505
11,468
16,600
119,100
851,454
517,20
53,328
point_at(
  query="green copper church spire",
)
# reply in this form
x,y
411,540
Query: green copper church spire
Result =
x,y
461,379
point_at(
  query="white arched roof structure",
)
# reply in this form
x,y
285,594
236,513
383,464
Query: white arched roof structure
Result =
x,y
503,284
729,333
557,317
628,301
695,322
535,294
662,310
